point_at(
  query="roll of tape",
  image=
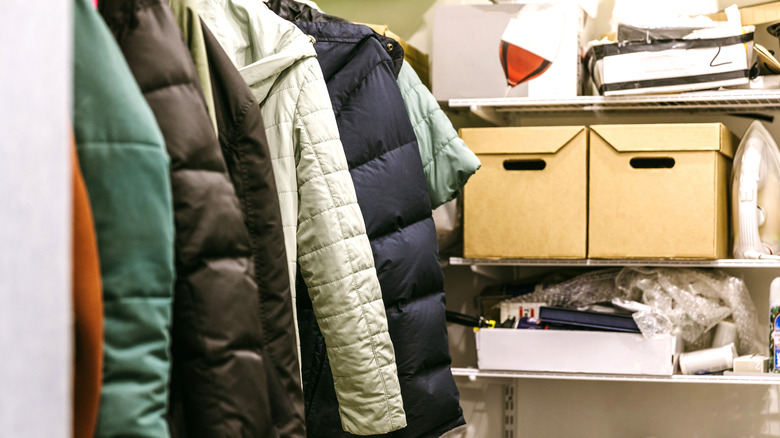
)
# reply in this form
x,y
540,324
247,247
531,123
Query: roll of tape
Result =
x,y
710,360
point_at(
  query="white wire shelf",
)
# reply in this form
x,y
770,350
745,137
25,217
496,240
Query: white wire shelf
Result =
x,y
759,379
723,101
720,263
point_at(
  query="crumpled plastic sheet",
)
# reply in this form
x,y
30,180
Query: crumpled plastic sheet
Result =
x,y
688,302
582,290
691,302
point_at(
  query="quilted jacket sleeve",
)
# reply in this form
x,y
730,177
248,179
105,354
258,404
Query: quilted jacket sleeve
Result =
x,y
447,161
337,264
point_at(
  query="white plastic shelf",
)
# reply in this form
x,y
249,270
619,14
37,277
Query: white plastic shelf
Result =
x,y
759,379
725,101
721,263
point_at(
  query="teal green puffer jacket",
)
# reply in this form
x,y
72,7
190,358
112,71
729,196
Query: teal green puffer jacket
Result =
x,y
125,168
447,161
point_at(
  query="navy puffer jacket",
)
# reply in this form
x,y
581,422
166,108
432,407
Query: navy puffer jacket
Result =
x,y
387,171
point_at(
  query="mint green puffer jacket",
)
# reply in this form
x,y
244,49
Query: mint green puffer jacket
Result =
x,y
325,234
447,161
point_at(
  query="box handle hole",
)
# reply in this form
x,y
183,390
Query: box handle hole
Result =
x,y
524,164
652,163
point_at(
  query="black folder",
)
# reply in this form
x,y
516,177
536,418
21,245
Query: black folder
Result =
x,y
587,319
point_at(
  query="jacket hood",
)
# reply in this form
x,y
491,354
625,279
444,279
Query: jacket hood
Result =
x,y
260,43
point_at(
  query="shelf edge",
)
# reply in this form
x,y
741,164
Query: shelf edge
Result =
x,y
474,373
720,263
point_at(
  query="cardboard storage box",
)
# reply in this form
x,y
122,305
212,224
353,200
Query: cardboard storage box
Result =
x,y
529,199
539,43
758,14
659,191
570,351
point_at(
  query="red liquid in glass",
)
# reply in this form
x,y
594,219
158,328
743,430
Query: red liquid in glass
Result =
x,y
520,65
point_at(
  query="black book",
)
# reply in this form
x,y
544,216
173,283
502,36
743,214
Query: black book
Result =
x,y
587,319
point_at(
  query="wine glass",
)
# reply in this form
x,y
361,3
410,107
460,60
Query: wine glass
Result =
x,y
530,42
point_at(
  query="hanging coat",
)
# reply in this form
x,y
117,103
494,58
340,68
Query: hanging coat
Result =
x,y
87,310
299,11
324,229
244,145
386,167
125,168
220,372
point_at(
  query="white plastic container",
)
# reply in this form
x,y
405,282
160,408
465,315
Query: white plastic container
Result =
x,y
774,325
710,360
725,333
756,195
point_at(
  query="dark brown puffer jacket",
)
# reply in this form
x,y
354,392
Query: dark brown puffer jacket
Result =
x,y
220,372
245,147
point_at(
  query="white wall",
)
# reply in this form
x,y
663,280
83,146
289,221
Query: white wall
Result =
x,y
410,18
35,224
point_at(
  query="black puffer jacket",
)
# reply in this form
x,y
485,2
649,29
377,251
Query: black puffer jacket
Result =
x,y
294,11
244,145
219,377
387,171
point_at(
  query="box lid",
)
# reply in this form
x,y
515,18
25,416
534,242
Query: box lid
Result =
x,y
670,137
758,14
525,140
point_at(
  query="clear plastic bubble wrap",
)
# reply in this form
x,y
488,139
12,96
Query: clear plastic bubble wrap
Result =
x,y
689,302
582,290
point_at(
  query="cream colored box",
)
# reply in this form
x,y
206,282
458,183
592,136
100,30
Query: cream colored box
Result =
x,y
575,351
659,191
529,199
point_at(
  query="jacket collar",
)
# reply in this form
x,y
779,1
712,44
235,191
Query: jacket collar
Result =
x,y
349,33
260,43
